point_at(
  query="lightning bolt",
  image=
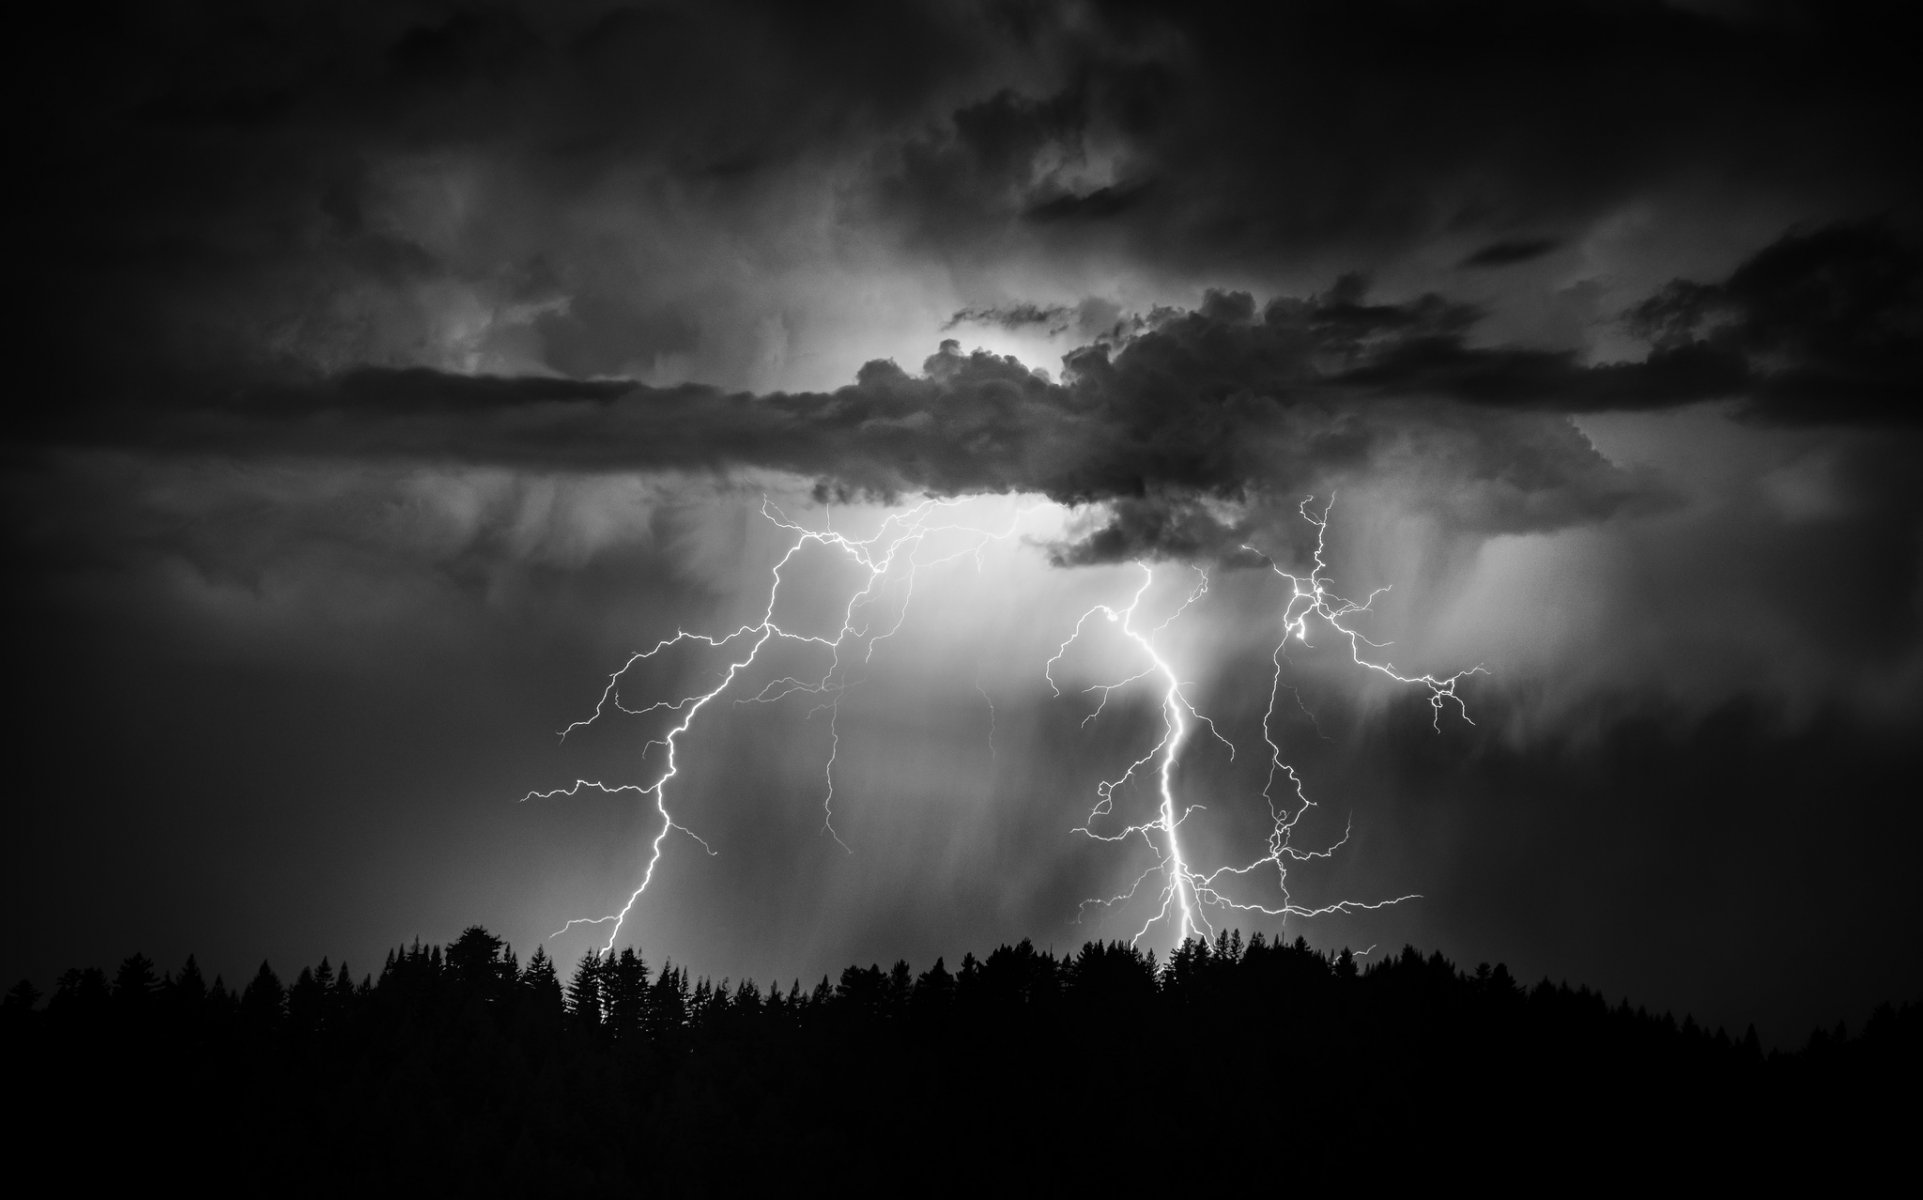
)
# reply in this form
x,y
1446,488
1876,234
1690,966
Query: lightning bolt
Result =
x,y
890,554
1179,895
1185,894
891,559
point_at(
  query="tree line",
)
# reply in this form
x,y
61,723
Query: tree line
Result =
x,y
463,1067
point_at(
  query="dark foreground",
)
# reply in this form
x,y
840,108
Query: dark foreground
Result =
x,y
1268,1063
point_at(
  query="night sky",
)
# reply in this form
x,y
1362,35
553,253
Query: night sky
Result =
x,y
385,375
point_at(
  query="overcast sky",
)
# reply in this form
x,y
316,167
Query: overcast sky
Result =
x,y
391,373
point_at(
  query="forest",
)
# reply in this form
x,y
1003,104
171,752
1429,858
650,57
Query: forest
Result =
x,y
463,1069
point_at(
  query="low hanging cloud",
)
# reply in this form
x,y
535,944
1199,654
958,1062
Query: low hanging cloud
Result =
x,y
1188,428
1205,415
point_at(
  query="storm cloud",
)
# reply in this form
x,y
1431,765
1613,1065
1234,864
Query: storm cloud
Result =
x,y
673,192
1208,136
1187,423
1200,414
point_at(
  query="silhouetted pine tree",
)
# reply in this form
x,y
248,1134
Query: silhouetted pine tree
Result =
x,y
587,1003
624,1080
264,1002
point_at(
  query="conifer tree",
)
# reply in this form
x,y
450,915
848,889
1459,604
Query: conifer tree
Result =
x,y
540,989
264,1002
587,1006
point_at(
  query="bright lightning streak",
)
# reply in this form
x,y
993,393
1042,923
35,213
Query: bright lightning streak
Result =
x,y
891,557
890,553
1185,893
1179,896
1318,601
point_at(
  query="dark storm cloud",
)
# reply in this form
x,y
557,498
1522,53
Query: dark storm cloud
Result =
x,y
1210,135
1184,428
1053,317
1824,325
313,182
1100,204
1821,326
271,239
1093,319
1508,254
1187,424
1156,526
432,184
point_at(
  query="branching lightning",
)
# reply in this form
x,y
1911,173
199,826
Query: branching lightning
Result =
x,y
890,554
890,561
1186,893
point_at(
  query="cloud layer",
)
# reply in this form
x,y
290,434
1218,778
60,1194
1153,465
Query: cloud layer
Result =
x,y
738,194
1187,424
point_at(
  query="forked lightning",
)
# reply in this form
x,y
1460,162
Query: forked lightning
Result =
x,y
1186,893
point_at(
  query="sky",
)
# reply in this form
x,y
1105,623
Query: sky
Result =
x,y
387,375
